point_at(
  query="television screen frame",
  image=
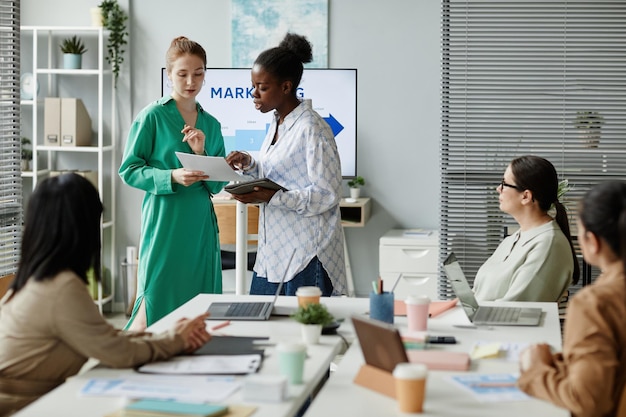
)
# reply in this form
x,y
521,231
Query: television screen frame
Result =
x,y
226,95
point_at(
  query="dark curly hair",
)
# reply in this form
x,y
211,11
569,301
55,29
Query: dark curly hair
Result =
x,y
285,62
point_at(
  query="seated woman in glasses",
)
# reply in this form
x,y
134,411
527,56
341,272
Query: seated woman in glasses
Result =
x,y
538,261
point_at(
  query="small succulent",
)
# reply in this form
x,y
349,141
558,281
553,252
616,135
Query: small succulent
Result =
x,y
73,45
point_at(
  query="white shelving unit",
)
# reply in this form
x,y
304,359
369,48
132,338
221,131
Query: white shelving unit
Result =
x,y
42,57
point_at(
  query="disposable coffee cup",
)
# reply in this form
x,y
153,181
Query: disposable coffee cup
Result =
x,y
308,295
291,358
417,312
410,384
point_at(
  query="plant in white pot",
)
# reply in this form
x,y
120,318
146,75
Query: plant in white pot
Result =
x,y
73,50
312,317
355,184
589,125
26,153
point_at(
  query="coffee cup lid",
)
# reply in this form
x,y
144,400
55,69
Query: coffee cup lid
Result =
x,y
308,291
417,299
410,371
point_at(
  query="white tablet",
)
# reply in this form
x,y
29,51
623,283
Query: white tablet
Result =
x,y
214,166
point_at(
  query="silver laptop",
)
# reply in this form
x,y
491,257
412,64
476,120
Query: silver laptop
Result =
x,y
247,310
486,315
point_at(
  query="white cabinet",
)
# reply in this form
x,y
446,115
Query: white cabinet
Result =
x,y
410,259
42,66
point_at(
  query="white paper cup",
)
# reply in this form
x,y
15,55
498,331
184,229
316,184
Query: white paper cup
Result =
x,y
308,295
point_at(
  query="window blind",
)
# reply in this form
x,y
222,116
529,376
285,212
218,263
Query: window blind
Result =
x,y
526,77
10,178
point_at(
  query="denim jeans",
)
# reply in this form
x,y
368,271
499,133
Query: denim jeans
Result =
x,y
313,275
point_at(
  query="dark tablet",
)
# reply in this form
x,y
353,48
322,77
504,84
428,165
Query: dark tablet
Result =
x,y
380,342
248,186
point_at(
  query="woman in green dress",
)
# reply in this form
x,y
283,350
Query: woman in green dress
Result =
x,y
179,253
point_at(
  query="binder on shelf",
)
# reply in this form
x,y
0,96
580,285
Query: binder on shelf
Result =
x,y
52,121
75,123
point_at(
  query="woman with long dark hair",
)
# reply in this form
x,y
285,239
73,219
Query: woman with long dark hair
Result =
x,y
589,376
49,324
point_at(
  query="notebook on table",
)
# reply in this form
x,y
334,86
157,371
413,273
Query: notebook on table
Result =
x,y
247,310
486,315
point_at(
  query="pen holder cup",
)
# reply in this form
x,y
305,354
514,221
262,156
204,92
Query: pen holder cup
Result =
x,y
381,306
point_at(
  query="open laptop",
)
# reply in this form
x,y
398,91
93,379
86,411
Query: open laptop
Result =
x,y
247,310
486,315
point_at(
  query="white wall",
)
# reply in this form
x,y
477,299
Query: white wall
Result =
x,y
394,44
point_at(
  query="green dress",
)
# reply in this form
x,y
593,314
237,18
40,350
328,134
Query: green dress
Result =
x,y
179,252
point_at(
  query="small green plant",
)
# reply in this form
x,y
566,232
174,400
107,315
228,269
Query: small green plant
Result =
x,y
73,45
313,314
27,153
114,19
356,182
588,120
562,189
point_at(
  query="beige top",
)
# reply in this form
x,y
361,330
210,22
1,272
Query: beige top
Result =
x,y
590,374
49,329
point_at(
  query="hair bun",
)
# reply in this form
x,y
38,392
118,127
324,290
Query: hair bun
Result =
x,y
299,45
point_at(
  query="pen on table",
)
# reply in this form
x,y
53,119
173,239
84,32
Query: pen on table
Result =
x,y
219,326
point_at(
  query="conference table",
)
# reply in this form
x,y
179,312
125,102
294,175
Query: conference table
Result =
x,y
338,394
341,397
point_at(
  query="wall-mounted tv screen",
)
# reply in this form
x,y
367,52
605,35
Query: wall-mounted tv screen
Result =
x,y
227,95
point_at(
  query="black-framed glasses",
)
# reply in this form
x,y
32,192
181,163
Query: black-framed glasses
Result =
x,y
504,184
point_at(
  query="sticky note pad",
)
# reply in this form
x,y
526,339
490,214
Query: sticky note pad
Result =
x,y
485,351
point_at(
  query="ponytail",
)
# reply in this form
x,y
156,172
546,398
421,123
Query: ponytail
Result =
x,y
561,220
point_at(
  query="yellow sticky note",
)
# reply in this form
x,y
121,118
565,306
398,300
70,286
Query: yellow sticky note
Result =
x,y
486,351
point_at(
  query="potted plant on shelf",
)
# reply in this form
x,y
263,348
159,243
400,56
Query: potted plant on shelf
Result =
x,y
73,50
312,317
355,184
114,19
589,124
27,153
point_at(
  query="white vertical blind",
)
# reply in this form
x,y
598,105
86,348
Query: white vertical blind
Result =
x,y
526,77
10,179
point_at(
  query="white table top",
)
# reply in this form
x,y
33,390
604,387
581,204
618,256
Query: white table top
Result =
x,y
340,396
65,401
